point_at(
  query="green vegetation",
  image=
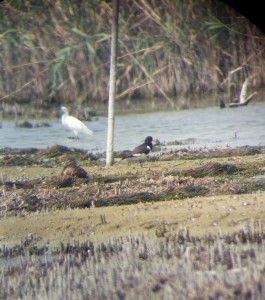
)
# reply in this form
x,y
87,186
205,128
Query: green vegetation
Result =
x,y
174,52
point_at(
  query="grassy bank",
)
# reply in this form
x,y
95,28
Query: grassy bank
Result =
x,y
186,222
33,184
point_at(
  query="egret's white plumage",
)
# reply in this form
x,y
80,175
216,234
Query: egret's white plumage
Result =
x,y
73,124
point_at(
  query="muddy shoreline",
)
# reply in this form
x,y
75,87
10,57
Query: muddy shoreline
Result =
x,y
155,227
175,189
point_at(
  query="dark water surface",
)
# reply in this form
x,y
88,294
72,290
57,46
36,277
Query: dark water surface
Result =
x,y
205,127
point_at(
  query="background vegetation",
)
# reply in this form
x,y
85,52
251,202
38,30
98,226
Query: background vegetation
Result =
x,y
171,50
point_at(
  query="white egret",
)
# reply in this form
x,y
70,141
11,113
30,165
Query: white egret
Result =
x,y
73,124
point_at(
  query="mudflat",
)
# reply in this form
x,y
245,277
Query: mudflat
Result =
x,y
201,215
204,190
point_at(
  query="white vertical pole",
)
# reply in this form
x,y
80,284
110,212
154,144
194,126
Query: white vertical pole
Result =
x,y
112,81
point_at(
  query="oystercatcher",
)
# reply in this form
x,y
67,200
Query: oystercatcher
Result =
x,y
144,148
140,150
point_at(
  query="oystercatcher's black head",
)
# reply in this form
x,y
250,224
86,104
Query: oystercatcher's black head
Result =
x,y
148,140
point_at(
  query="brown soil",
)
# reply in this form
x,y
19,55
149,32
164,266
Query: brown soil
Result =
x,y
162,195
201,215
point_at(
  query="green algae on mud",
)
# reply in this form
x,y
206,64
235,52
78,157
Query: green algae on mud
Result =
x,y
207,212
172,175
130,195
201,215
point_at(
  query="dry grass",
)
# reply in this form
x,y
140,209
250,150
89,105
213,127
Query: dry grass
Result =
x,y
194,246
193,267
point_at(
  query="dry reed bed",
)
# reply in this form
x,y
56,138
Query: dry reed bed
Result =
x,y
169,50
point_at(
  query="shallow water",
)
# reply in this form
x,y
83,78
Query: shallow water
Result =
x,y
205,127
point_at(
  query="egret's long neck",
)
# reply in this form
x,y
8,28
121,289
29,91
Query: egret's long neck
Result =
x,y
65,114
